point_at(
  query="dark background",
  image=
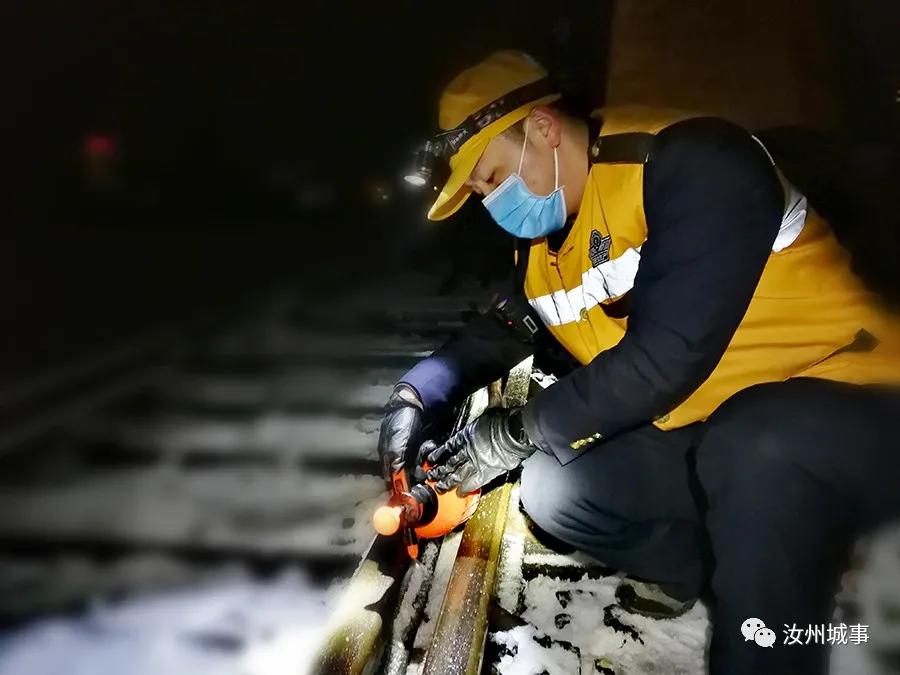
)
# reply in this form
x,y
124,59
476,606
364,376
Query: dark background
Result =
x,y
260,144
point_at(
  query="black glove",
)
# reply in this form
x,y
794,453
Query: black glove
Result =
x,y
474,456
401,429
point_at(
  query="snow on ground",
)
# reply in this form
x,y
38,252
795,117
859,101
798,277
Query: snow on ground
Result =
x,y
871,597
509,584
526,656
29,585
231,626
415,591
439,581
878,586
417,576
583,614
571,622
568,619
223,623
253,509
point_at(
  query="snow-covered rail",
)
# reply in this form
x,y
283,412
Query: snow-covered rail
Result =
x,y
381,620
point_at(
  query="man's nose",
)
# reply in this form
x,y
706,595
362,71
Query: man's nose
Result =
x,y
480,186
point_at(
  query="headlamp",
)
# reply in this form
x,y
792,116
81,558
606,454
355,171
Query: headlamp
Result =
x,y
433,155
426,158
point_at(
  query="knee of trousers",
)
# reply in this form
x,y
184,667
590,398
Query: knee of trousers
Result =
x,y
543,492
546,495
557,504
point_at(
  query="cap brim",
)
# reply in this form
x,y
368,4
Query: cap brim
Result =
x,y
455,193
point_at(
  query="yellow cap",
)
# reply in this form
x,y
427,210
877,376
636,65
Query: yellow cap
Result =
x,y
470,91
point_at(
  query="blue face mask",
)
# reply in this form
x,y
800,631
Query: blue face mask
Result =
x,y
521,212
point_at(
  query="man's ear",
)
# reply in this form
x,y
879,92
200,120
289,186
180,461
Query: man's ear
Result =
x,y
546,123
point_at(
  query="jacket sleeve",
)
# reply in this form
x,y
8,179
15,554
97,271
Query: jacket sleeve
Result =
x,y
713,204
485,349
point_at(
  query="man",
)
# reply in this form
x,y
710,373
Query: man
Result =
x,y
733,393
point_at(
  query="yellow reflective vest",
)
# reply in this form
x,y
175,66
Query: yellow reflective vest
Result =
x,y
807,310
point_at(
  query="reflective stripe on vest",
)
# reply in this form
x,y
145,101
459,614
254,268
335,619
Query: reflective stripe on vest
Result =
x,y
612,279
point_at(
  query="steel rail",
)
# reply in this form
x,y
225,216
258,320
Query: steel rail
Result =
x,y
458,643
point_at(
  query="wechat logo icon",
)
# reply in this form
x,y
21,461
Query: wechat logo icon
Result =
x,y
755,629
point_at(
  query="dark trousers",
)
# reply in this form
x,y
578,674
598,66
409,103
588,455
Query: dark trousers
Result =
x,y
762,502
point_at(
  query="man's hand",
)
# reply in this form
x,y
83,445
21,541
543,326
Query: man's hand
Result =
x,y
400,430
475,455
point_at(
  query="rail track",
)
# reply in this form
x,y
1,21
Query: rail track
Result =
x,y
491,598
247,439
250,441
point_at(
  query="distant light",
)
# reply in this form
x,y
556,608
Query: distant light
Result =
x,y
99,145
415,179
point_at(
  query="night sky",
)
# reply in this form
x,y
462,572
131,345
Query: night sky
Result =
x,y
204,95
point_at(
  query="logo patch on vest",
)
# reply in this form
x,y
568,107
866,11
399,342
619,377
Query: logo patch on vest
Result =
x,y
598,249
